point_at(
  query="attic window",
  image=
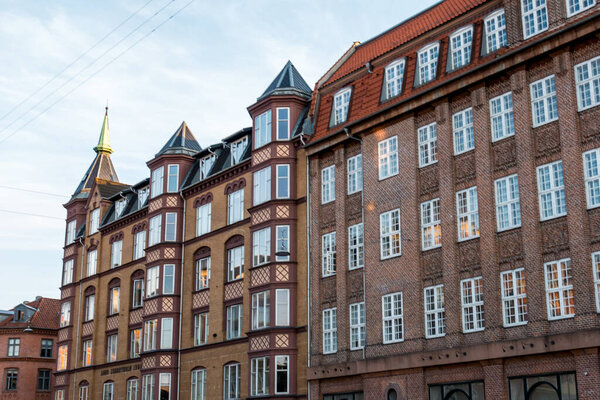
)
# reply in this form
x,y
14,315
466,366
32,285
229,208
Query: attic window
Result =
x,y
427,60
120,207
143,196
341,101
206,165
20,315
237,149
394,73
460,48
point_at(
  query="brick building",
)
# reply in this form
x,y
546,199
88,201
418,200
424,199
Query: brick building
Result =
x,y
191,283
28,349
474,127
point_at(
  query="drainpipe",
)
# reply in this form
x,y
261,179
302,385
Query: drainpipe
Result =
x,y
78,320
308,299
362,218
181,294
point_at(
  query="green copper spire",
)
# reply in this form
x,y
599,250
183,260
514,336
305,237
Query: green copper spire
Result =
x,y
104,141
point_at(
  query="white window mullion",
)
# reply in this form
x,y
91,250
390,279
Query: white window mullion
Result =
x,y
514,297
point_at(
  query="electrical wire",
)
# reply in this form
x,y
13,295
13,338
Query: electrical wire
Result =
x,y
32,191
30,214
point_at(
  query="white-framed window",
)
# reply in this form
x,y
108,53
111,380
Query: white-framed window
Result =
x,y
202,273
65,314
235,206
354,167
282,307
389,234
164,388
283,181
152,281
60,395
262,186
559,289
90,302
150,333
427,60
388,157
282,244
358,325
501,116
259,376
514,297
114,300
508,205
462,130
68,272
341,101
132,389
235,263
148,387
237,149
261,310
543,101
170,227
472,304
137,297
435,312
139,245
143,196
330,330
14,345
92,262
431,226
155,230
394,75
168,279
282,374
200,329
116,253
231,381
261,247
591,173
468,214
427,136
283,123
198,389
356,246
535,17
157,181
587,80
173,178
234,322
94,221
108,391
495,31
111,348
551,190
328,184
203,219
135,343
86,353
460,47
262,129
596,273
392,314
328,254
206,165
71,231
577,6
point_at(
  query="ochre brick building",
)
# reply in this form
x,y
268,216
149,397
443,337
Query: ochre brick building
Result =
x,y
472,129
192,284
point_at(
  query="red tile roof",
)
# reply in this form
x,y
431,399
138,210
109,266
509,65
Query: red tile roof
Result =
x,y
47,316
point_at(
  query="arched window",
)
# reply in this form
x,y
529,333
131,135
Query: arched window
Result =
x,y
114,295
133,388
202,261
84,390
198,378
235,257
231,380
108,390
543,391
137,289
392,394
90,302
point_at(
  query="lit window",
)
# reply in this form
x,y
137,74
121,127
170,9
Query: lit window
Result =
x,y
543,101
173,178
435,313
431,228
157,181
135,344
460,47
495,31
282,374
262,129
393,319
68,272
501,116
514,297
137,293
90,302
166,333
113,305
60,395
394,74
152,281
357,326
234,322
472,305
468,214
328,184
462,130
261,310
283,181
356,256
328,254
206,165
283,242
587,79
354,174
427,144
165,386
235,205
65,314
388,157
150,333
92,262
592,177
282,307
535,17
237,149
261,247
235,263
169,279
389,236
262,186
111,348
283,123
341,101
148,387
577,6
198,391
508,205
330,330
94,221
559,289
427,60
259,376
14,345
596,272
203,216
155,230
232,378
139,245
202,273
87,353
63,352
116,253
71,231
551,190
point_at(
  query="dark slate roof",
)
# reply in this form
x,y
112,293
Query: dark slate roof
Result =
x,y
108,189
102,167
288,81
45,316
130,195
182,142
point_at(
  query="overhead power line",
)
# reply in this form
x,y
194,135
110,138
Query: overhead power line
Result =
x,y
30,214
32,191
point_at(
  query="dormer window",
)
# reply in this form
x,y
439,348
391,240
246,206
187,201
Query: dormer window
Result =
x,y
495,31
460,48
535,17
262,129
19,315
577,6
283,123
427,60
341,101
143,196
237,149
120,207
206,165
394,74
94,221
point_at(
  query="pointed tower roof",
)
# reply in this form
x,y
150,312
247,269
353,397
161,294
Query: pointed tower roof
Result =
x,y
182,142
288,81
104,141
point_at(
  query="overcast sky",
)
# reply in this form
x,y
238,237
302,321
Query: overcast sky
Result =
x,y
205,66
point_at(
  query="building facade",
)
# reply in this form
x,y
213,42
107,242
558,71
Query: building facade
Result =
x,y
28,349
453,198
191,284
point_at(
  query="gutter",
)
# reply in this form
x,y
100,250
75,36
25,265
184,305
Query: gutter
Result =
x,y
308,271
78,336
181,294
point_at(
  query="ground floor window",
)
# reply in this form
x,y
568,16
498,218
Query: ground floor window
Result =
x,y
547,387
344,396
457,391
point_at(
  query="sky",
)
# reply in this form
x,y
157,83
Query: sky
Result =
x,y
167,61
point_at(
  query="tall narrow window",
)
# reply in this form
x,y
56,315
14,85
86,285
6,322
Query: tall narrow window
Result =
x,y
43,381
139,245
462,129
388,157
92,262
63,356
132,389
116,253
235,263
283,181
173,178
559,289
170,227
113,301
431,228
152,281
203,219
235,206
282,307
283,123
468,214
357,325
508,205
389,234
262,129
262,186
166,333
501,116
591,173
83,391
11,379
137,296
87,353
587,80
143,196
330,330
148,387
108,391
150,333
234,321
328,184
596,273
427,144
165,386
551,190
328,253
577,6
111,348
68,272
282,374
169,279
206,165
393,318
261,310
89,307
202,273
354,174
535,17
435,313
157,181
341,101
94,221
198,391
231,384
259,376
460,47
71,231
472,304
495,31
356,244
65,314
543,101
237,149
135,343
514,297
155,230
427,59
394,74
283,242
261,247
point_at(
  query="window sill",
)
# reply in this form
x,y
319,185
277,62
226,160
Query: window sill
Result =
x,y
387,177
389,257
467,239
502,138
